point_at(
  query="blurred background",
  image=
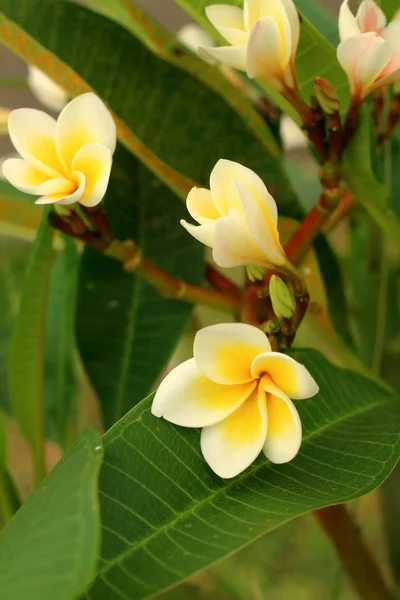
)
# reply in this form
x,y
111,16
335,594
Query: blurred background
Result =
x,y
295,562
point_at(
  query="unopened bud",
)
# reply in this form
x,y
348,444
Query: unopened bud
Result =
x,y
282,299
326,96
255,273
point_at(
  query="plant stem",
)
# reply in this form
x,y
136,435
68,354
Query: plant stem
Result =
x,y
354,555
167,285
221,283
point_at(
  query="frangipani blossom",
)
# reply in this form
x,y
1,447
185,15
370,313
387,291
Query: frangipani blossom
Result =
x,y
237,218
264,36
193,36
239,392
370,51
50,94
63,161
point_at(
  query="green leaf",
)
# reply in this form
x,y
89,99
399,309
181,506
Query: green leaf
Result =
x,y
165,514
26,360
9,501
316,56
195,130
321,18
389,7
17,208
132,330
49,549
60,367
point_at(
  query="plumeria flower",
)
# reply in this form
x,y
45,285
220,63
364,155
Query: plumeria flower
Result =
x,y
370,51
193,36
50,94
263,38
237,218
239,392
63,161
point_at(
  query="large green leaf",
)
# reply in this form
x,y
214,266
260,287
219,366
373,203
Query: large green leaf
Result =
x,y
26,359
390,7
127,331
165,514
60,371
49,549
165,116
316,56
321,18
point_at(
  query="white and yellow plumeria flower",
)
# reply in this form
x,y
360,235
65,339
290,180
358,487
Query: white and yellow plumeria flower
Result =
x,y
193,36
49,93
264,36
237,218
63,161
370,51
239,392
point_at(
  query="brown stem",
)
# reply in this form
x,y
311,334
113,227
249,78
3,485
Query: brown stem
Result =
x,y
350,126
335,136
346,204
377,110
354,555
221,283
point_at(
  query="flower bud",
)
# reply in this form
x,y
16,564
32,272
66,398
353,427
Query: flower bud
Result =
x,y
282,299
326,96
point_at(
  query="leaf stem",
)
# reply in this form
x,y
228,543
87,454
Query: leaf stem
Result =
x,y
353,553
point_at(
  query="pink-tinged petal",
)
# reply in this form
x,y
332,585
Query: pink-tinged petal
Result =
x,y
32,133
203,233
187,398
348,26
85,120
66,193
23,176
370,17
252,12
95,162
391,77
261,225
284,430
232,445
233,245
201,207
229,22
233,56
286,373
266,52
225,352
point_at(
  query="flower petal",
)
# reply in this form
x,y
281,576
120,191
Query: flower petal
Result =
x,y
192,36
348,26
252,12
294,23
266,52
260,219
233,245
229,22
59,194
201,206
289,375
225,352
84,120
391,35
23,176
276,10
186,397
46,90
284,430
32,133
203,233
94,161
233,56
229,447
370,17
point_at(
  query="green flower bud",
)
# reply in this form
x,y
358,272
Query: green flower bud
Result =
x,y
282,299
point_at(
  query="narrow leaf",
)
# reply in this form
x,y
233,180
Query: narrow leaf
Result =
x,y
49,549
26,360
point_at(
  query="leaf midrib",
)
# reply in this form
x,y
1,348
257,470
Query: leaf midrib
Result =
x,y
234,481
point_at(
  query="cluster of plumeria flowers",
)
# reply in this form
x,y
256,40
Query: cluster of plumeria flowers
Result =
x,y
235,387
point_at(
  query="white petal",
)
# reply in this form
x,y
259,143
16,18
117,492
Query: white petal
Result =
x,y
233,444
286,373
294,23
225,352
84,120
392,35
261,224
252,12
229,22
203,233
23,176
60,195
266,55
49,93
233,245
370,17
284,430
192,36
276,10
348,26
186,397
32,133
94,161
233,56
201,206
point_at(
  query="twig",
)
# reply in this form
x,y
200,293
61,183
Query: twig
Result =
x,y
221,283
